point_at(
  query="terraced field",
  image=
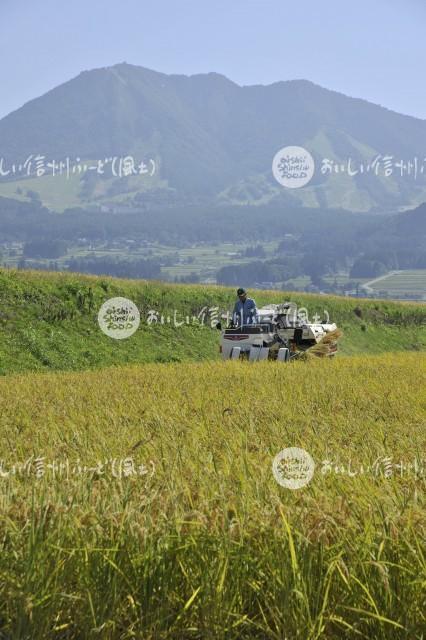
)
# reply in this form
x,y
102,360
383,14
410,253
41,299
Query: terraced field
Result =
x,y
399,283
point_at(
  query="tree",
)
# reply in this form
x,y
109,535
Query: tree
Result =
x,y
45,249
364,268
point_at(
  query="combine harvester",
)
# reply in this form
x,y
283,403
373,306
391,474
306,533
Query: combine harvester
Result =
x,y
280,333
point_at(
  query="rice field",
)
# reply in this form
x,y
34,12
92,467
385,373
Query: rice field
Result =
x,y
140,502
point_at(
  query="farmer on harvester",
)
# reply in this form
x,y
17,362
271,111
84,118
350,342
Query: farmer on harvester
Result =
x,y
245,311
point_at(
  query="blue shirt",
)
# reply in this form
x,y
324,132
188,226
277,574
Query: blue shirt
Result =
x,y
244,312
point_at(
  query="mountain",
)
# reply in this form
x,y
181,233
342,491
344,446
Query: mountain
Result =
x,y
211,140
412,223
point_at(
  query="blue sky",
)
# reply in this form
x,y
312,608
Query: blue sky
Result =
x,y
372,50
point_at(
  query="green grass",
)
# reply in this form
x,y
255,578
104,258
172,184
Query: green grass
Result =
x,y
56,192
59,192
43,326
